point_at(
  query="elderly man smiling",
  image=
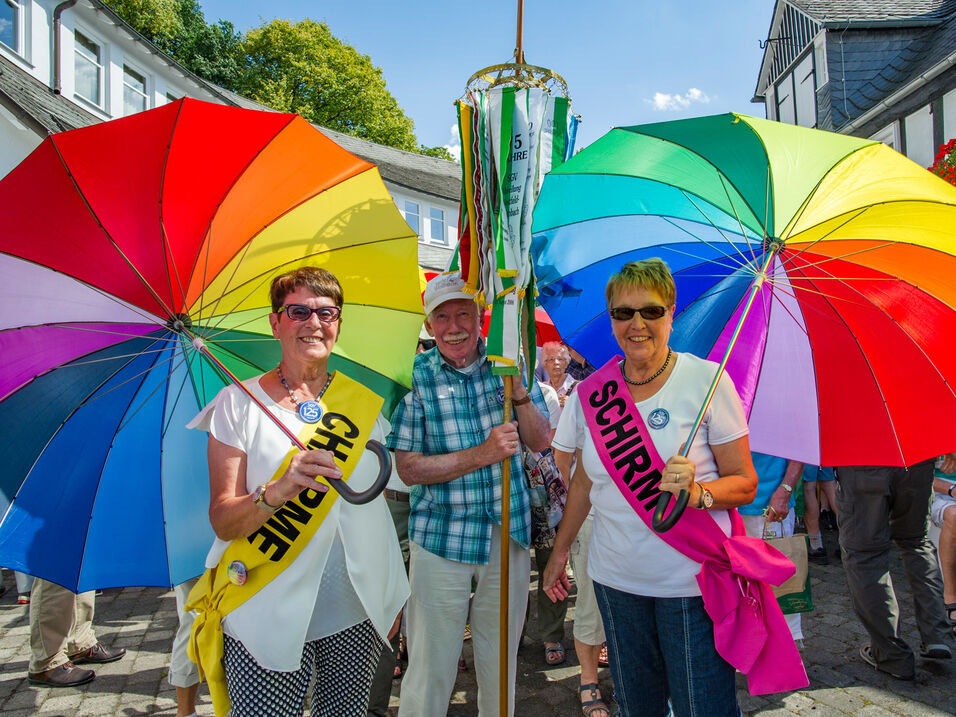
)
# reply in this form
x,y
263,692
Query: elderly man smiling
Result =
x,y
449,442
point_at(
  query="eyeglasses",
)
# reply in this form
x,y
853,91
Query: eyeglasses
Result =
x,y
626,313
301,312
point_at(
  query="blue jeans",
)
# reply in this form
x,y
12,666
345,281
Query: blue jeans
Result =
x,y
662,649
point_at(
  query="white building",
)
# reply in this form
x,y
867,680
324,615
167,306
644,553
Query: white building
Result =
x,y
70,64
881,69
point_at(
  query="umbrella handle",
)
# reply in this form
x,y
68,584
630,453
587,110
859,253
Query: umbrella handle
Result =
x,y
662,524
384,471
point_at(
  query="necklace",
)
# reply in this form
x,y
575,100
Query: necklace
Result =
x,y
309,411
647,380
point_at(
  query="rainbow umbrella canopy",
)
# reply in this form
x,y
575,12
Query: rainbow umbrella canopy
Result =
x,y
848,355
123,243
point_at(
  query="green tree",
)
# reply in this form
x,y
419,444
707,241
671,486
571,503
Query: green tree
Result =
x,y
302,67
440,152
179,28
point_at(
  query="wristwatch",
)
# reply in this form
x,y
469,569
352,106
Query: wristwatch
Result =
x,y
521,401
706,500
259,498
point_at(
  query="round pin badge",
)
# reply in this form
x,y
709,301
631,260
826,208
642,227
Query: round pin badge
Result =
x,y
500,395
659,418
237,573
310,411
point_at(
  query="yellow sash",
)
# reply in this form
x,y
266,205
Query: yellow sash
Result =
x,y
349,411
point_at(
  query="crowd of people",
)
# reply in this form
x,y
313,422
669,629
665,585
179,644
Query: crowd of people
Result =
x,y
308,598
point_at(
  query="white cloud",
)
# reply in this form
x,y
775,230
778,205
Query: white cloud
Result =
x,y
454,143
664,102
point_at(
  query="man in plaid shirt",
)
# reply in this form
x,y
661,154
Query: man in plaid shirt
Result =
x,y
449,444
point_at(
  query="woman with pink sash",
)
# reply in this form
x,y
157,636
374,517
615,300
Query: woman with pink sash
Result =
x,y
686,608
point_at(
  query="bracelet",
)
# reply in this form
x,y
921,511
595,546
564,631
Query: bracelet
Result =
x,y
786,487
521,401
950,491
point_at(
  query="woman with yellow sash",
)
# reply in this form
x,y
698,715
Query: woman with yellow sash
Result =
x,y
300,587
684,608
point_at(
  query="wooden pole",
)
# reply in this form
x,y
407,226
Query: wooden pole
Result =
x,y
504,599
519,43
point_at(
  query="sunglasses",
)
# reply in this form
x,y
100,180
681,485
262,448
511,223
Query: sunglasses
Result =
x,y
626,313
301,312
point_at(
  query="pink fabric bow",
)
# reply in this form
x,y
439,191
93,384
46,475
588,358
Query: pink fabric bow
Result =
x,y
750,632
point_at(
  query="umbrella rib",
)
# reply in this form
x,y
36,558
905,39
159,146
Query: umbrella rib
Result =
x,y
160,385
743,231
869,365
74,327
816,241
208,232
719,231
187,358
687,231
167,251
99,223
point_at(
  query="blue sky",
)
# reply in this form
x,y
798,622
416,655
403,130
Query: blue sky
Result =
x,y
625,61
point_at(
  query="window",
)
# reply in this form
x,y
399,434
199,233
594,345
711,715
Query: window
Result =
x,y
134,91
10,15
170,97
436,218
412,217
88,69
786,112
806,95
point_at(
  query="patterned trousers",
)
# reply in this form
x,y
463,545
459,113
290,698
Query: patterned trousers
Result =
x,y
343,665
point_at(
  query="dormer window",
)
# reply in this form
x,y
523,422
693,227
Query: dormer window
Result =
x,y
88,69
134,91
11,19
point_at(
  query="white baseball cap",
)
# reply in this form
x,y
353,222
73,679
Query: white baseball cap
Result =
x,y
442,288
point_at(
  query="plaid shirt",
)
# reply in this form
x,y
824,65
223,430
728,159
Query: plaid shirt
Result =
x,y
448,411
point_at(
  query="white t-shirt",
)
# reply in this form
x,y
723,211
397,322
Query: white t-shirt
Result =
x,y
351,569
554,404
625,553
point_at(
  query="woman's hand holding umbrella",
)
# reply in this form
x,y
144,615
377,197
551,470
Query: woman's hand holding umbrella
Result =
x,y
301,474
679,473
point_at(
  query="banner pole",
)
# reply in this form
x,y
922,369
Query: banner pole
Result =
x,y
504,642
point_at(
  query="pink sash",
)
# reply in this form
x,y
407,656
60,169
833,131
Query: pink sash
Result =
x,y
750,632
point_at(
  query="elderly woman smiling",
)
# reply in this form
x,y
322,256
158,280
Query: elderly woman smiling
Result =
x,y
301,588
620,422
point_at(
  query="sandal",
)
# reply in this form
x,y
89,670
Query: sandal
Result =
x,y
554,655
595,704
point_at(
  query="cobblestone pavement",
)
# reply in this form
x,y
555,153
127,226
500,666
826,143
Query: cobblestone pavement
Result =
x,y
143,620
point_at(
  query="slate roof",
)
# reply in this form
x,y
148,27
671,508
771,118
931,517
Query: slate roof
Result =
x,y
35,104
872,64
913,12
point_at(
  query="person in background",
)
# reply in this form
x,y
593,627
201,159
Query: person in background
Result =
x,y
878,506
183,672
61,637
449,443
555,357
817,479
943,513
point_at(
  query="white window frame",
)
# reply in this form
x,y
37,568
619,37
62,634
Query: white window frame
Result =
x,y
102,66
144,93
889,135
432,219
19,32
417,213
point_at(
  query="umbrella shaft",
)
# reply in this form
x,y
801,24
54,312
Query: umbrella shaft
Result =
x,y
200,346
758,283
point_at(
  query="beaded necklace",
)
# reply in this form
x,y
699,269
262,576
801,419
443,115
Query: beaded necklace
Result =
x,y
647,380
309,411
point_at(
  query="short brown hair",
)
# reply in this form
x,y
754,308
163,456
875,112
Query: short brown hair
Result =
x,y
647,274
319,281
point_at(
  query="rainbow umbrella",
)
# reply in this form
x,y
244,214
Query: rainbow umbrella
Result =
x,y
842,248
124,244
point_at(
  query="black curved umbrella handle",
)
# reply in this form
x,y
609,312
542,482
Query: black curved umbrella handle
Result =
x,y
384,471
662,524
